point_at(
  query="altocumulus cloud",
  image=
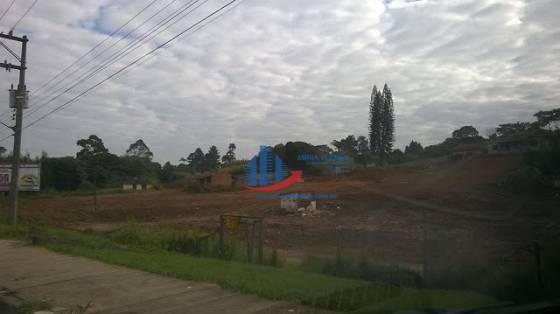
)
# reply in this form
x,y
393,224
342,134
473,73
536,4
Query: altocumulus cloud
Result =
x,y
271,71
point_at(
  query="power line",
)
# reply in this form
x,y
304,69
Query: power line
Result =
x,y
96,46
193,32
81,78
122,52
24,14
129,65
7,9
10,50
91,50
197,26
107,49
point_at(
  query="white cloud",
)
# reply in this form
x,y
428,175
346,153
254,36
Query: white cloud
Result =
x,y
272,71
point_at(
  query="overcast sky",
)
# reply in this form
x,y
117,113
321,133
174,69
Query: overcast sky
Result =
x,y
272,71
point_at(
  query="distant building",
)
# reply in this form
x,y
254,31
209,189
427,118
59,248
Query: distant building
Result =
x,y
520,142
211,179
136,184
463,151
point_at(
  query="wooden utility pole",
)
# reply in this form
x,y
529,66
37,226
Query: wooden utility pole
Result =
x,y
19,102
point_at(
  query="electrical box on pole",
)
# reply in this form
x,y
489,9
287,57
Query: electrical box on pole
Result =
x,y
18,98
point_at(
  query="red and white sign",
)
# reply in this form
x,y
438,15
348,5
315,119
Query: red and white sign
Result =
x,y
29,177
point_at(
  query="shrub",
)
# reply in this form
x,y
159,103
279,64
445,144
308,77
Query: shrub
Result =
x,y
130,234
189,242
525,180
361,268
86,186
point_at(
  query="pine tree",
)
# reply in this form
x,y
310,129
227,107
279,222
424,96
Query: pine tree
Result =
x,y
212,159
230,155
375,121
387,123
196,160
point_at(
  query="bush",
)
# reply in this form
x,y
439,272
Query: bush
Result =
x,y
355,298
546,159
525,180
361,268
86,186
189,242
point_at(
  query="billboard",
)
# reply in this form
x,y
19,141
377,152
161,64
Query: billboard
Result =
x,y
29,177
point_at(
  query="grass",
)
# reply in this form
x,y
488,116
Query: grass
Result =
x,y
430,300
130,249
361,267
189,242
32,307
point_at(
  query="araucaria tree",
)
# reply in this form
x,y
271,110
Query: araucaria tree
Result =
x,y
388,122
381,123
375,119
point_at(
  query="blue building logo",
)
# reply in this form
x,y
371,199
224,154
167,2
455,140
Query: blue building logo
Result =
x,y
267,172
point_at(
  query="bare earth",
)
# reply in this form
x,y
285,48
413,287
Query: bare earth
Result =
x,y
68,283
385,212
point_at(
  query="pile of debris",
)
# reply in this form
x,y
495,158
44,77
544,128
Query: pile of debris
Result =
x,y
301,204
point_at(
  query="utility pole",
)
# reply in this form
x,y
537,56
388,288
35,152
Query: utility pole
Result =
x,y
19,100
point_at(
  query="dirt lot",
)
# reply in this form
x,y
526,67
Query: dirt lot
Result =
x,y
384,212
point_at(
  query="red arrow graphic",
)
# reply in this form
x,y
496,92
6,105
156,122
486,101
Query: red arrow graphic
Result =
x,y
294,177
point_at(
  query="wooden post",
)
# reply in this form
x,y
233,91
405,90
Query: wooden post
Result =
x,y
261,239
222,253
248,237
538,269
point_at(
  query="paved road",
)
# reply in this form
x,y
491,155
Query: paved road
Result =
x,y
67,282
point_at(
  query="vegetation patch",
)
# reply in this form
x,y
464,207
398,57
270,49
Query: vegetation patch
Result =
x,y
277,283
363,268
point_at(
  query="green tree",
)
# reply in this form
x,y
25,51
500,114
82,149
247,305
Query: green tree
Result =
x,y
229,157
291,153
195,160
375,120
467,131
364,156
396,157
357,148
387,123
414,148
512,128
167,173
139,149
212,159
381,122
62,174
545,118
96,161
92,146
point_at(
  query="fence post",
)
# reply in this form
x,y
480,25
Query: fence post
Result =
x,y
538,269
222,253
261,241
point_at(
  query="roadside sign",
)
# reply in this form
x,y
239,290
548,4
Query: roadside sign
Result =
x,y
29,177
232,223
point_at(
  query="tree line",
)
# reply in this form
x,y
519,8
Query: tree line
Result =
x,y
94,165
